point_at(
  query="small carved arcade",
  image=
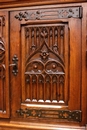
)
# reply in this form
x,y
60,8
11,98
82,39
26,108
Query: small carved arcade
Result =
x,y
44,67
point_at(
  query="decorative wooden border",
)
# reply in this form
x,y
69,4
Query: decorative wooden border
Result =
x,y
57,13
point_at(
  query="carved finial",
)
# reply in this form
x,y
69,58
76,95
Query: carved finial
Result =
x,y
44,33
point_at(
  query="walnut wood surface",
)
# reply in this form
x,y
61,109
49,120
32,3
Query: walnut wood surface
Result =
x,y
21,3
36,126
38,0
50,42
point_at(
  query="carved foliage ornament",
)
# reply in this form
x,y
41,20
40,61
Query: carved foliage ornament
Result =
x,y
58,13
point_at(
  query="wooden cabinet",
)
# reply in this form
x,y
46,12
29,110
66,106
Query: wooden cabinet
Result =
x,y
43,55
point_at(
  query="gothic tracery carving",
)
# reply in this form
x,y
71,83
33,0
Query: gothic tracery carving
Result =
x,y
45,69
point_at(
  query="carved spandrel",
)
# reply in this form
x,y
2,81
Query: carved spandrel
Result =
x,y
57,13
44,60
53,36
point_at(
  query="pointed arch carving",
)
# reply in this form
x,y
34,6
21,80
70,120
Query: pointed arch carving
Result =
x,y
44,63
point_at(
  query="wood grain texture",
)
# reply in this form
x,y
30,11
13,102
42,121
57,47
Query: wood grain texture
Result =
x,y
36,126
50,88
4,1
84,67
45,48
22,3
4,65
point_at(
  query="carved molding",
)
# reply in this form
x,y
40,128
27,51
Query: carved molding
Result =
x,y
53,114
57,13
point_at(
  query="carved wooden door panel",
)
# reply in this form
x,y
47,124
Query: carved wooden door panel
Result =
x,y
46,83
4,65
44,64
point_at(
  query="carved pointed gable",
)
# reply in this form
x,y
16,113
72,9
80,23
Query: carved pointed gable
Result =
x,y
44,58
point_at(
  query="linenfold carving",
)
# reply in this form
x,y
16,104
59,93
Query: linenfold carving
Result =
x,y
44,60
57,13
